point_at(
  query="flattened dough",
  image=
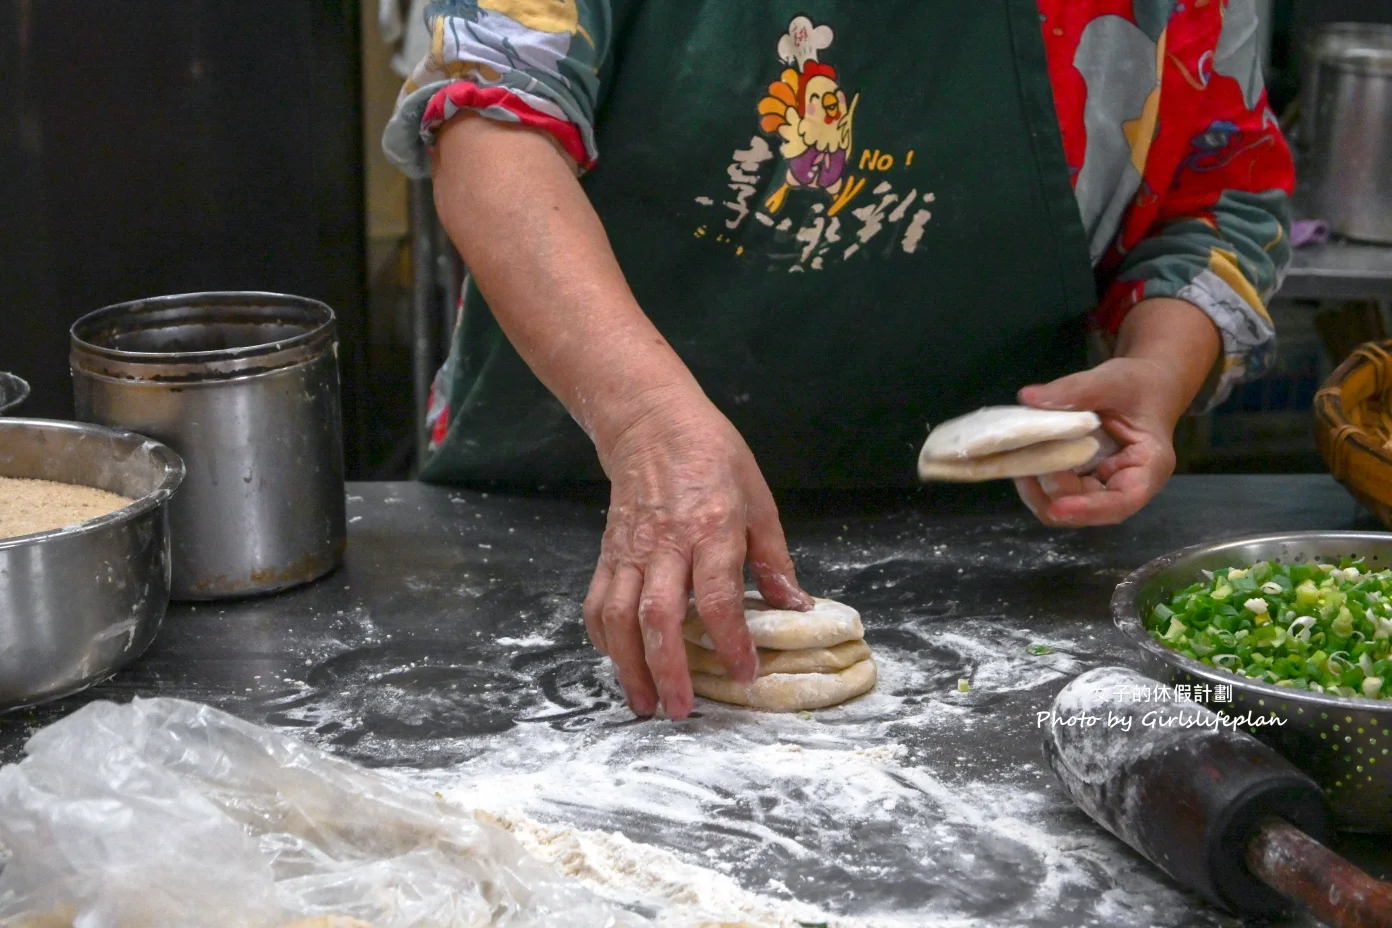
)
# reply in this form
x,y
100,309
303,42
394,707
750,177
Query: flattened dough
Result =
x,y
827,623
996,429
1034,461
809,660
789,692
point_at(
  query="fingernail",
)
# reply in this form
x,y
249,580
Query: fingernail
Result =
x,y
642,706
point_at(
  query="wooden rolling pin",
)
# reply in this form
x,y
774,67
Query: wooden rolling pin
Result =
x,y
1216,809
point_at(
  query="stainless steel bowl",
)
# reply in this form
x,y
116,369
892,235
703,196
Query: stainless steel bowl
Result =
x,y
78,604
1344,744
13,391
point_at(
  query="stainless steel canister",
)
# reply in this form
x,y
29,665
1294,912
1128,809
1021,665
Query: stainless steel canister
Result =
x,y
1350,162
244,386
1330,39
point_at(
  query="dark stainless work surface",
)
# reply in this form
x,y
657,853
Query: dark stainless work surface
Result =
x,y
405,636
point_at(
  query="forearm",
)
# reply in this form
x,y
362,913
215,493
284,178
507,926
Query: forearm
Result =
x,y
511,203
1180,341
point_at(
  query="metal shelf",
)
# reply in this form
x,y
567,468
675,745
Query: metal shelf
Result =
x,y
1339,270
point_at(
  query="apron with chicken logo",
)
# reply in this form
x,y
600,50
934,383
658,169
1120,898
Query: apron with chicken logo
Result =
x,y
850,220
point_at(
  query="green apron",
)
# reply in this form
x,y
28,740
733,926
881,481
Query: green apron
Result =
x,y
850,220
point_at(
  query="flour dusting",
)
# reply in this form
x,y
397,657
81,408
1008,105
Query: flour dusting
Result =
x,y
647,879
915,805
531,641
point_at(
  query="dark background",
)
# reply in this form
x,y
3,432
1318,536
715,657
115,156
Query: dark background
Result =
x,y
168,146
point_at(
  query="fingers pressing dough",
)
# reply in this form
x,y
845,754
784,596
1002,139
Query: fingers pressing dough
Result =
x,y
810,660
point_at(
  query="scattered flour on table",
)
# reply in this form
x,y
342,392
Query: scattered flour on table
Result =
x,y
872,811
530,641
909,806
648,878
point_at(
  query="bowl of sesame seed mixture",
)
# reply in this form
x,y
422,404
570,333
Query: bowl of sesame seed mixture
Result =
x,y
84,553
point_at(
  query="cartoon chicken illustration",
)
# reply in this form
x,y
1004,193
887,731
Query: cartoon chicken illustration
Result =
x,y
807,108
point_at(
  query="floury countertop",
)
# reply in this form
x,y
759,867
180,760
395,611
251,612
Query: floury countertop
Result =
x,y
450,650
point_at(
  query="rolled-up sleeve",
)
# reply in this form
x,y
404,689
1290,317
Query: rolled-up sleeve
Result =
x,y
1218,218
518,61
1227,261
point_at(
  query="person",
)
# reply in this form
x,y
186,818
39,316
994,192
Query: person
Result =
x,y
728,246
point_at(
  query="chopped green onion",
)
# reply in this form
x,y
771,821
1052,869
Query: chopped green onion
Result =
x,y
1324,628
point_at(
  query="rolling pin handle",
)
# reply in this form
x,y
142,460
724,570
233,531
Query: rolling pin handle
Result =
x,y
1334,890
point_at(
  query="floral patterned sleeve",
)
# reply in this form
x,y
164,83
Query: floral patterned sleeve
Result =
x,y
530,62
1180,170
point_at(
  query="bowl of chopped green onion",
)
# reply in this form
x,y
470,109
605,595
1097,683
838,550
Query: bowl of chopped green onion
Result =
x,y
1293,629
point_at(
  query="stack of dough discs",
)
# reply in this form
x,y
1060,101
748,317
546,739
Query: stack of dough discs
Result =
x,y
807,660
1001,442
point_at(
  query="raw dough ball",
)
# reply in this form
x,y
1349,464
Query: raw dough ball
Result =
x,y
810,660
1004,428
789,692
1034,461
827,623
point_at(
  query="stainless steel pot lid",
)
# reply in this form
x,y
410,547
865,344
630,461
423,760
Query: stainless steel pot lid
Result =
x,y
13,391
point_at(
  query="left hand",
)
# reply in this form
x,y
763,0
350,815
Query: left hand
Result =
x,y
1165,350
1131,396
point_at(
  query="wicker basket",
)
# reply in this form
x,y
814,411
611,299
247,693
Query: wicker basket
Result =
x,y
1353,416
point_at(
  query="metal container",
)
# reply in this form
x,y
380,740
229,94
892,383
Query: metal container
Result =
x,y
1350,158
13,391
245,387
1330,40
1345,745
77,604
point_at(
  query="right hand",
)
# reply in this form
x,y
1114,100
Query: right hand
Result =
x,y
688,507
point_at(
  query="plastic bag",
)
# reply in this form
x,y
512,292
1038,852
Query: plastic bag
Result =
x,y
164,812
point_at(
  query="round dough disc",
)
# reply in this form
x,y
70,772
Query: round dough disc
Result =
x,y
827,623
810,660
995,429
1035,461
789,692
